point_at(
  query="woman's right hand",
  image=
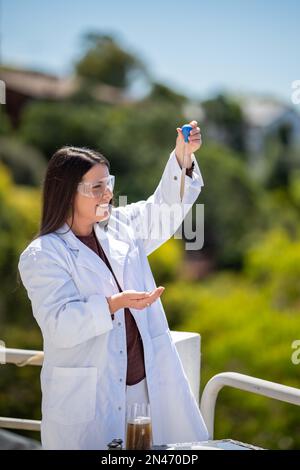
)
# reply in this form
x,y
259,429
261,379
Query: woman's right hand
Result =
x,y
133,299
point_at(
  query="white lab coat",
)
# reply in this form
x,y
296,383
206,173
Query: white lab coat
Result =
x,y
83,378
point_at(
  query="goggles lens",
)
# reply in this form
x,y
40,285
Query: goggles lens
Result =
x,y
97,189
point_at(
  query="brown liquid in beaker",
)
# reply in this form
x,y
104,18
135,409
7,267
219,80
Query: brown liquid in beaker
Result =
x,y
139,435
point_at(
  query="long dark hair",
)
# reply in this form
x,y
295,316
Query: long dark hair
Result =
x,y
65,170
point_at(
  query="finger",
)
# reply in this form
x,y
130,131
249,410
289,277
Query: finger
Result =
x,y
193,123
195,130
143,303
155,294
139,303
179,132
134,292
157,289
195,136
138,295
197,139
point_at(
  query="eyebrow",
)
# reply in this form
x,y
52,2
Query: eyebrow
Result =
x,y
98,181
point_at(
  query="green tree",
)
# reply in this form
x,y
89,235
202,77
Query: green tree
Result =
x,y
163,94
225,115
248,323
19,219
26,164
136,139
5,127
231,204
106,61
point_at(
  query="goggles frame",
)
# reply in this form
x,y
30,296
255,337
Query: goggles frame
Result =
x,y
95,190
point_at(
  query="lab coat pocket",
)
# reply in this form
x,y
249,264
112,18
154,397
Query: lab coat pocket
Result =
x,y
72,395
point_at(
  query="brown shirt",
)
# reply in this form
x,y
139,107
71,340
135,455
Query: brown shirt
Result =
x,y
189,171
135,351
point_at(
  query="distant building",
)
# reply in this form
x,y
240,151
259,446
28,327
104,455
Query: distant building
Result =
x,y
23,86
263,117
266,118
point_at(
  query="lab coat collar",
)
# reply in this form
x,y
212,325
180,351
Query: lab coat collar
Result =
x,y
68,236
116,250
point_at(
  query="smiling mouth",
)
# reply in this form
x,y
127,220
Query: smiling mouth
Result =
x,y
102,209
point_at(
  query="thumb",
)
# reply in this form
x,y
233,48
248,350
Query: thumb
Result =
x,y
179,132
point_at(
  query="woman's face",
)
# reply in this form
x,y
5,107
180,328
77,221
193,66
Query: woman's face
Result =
x,y
89,210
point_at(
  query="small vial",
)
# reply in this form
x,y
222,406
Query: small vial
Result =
x,y
115,444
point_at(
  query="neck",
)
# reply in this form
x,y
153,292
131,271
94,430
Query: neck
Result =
x,y
82,230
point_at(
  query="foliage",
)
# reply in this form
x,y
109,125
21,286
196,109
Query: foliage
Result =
x,y
19,217
247,311
106,61
248,323
26,163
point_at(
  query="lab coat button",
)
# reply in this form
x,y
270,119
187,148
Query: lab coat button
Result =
x,y
121,380
121,352
119,408
175,178
119,323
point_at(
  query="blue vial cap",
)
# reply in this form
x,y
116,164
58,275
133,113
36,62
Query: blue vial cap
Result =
x,y
186,129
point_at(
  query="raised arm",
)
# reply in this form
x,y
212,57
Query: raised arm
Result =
x,y
157,218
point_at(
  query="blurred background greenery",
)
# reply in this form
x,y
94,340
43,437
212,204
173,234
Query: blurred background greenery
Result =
x,y
241,292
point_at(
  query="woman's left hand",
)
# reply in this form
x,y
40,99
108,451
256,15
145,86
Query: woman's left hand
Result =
x,y
195,142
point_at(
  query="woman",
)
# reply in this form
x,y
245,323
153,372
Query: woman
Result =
x,y
106,338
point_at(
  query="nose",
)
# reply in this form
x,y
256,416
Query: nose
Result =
x,y
107,195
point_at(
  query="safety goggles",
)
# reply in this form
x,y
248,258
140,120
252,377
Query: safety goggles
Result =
x,y
96,189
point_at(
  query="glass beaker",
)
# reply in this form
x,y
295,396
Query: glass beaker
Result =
x,y
139,428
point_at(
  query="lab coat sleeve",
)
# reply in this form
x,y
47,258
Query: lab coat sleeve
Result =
x,y
156,219
65,317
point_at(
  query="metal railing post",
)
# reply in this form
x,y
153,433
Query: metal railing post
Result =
x,y
246,383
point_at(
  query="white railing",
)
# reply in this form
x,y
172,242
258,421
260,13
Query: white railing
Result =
x,y
246,383
187,344
21,358
17,423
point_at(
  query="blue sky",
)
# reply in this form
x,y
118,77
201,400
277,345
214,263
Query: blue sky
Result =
x,y
196,47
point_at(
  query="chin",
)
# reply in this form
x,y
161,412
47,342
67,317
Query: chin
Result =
x,y
102,219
